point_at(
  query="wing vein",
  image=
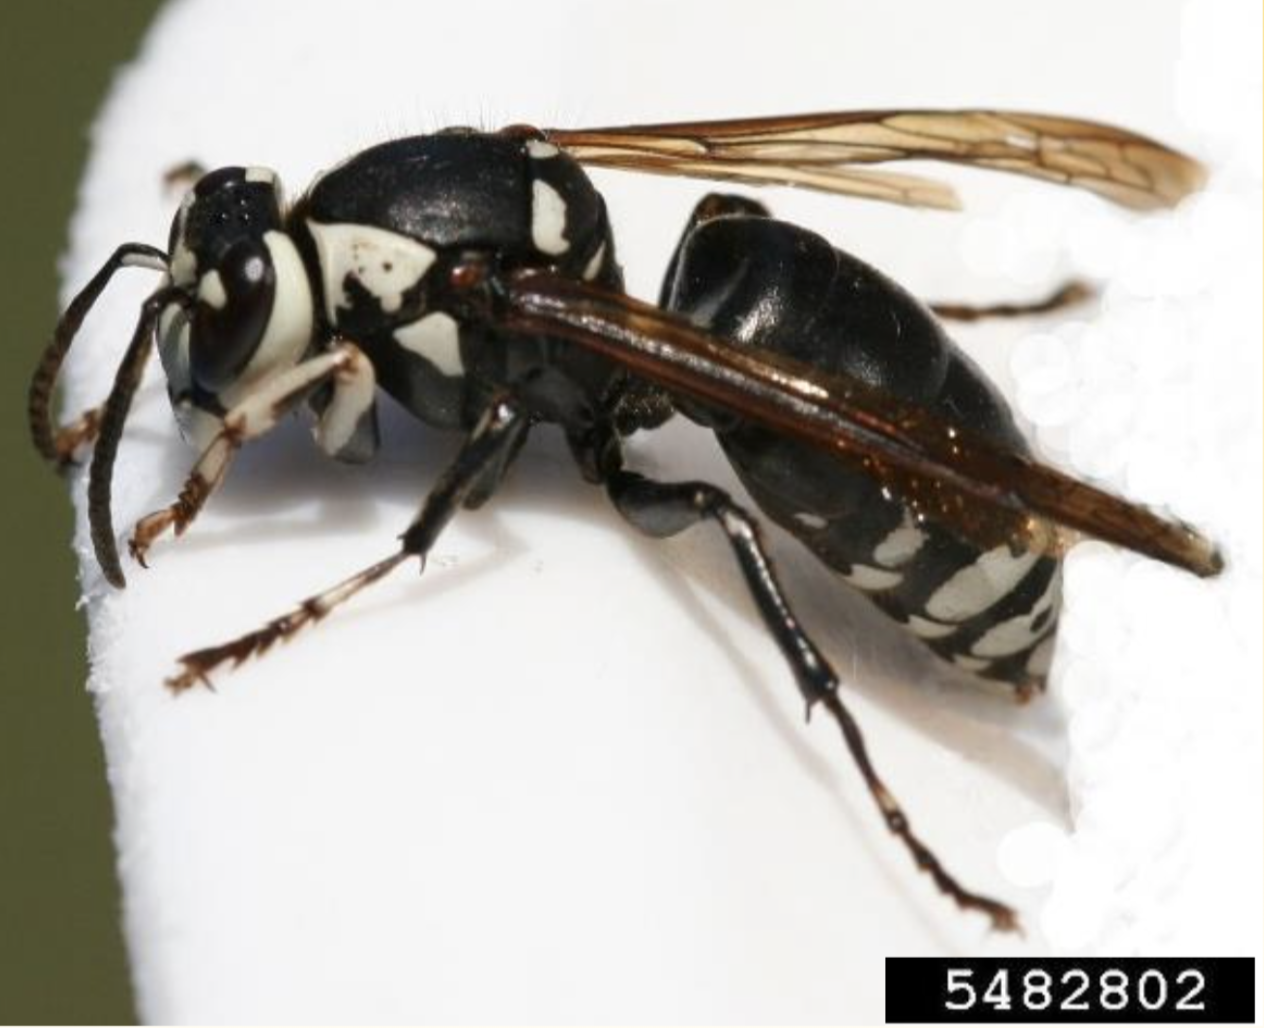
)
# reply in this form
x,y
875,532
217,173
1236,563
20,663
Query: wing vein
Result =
x,y
813,151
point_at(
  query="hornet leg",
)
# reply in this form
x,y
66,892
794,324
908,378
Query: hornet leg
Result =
x,y
1069,294
182,176
351,374
498,433
70,438
665,509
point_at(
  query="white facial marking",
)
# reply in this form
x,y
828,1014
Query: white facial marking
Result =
x,y
812,521
1041,658
970,663
354,389
548,219
211,290
1018,633
975,588
900,545
384,263
593,267
437,338
144,260
290,322
183,268
258,174
183,265
924,629
541,150
872,579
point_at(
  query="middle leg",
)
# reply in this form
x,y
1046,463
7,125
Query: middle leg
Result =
x,y
499,432
1069,294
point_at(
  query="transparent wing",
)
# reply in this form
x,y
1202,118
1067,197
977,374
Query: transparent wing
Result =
x,y
815,150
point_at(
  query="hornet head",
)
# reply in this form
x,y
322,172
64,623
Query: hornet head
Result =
x,y
235,308
245,306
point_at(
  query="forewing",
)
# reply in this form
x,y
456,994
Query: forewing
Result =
x,y
942,471
812,149
907,190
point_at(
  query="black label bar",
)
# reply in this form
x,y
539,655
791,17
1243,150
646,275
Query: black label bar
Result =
x,y
1126,990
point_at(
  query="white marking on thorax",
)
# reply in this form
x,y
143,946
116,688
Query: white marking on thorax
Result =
x,y
541,150
1018,633
593,267
924,629
354,389
870,579
970,663
385,263
437,338
255,173
211,290
548,219
975,588
900,545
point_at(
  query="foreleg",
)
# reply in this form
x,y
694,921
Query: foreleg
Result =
x,y
345,367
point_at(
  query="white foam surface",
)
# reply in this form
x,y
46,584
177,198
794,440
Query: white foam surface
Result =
x,y
564,776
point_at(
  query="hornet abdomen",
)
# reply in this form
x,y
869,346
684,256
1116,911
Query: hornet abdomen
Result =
x,y
774,286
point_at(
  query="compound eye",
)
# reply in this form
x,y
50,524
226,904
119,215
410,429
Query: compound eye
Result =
x,y
234,301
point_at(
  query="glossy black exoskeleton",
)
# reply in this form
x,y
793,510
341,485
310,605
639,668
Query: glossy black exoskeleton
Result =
x,y
473,277
777,287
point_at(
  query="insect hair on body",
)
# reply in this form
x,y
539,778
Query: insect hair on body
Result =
x,y
473,277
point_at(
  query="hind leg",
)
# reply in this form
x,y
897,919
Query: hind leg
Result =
x,y
664,509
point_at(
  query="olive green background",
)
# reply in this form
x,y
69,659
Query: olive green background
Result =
x,y
61,953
